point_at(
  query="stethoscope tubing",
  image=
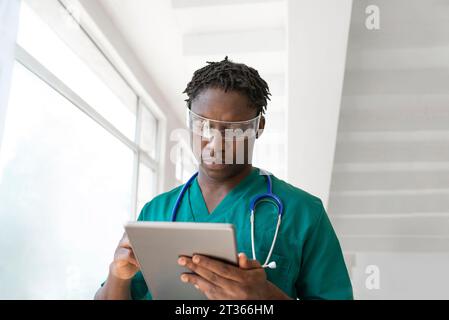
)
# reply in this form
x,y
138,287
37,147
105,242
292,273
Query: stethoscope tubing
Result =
x,y
268,196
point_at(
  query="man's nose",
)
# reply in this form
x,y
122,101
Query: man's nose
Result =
x,y
214,142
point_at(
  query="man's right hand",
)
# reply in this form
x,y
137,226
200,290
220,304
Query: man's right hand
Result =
x,y
125,264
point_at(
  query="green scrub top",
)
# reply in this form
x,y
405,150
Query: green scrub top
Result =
x,y
307,253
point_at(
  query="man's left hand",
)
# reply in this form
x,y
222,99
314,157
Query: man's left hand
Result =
x,y
220,280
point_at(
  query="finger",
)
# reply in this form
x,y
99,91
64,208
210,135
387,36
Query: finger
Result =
x,y
134,259
124,241
124,254
222,269
209,289
206,273
246,263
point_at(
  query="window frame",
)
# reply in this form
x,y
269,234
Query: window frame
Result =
x,y
140,156
185,154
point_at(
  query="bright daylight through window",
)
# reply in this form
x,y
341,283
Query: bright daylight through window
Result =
x,y
71,168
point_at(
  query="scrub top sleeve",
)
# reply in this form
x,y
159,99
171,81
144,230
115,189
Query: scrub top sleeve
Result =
x,y
143,215
323,273
139,289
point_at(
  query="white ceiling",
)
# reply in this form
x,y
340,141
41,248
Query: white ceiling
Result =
x,y
216,16
174,38
151,32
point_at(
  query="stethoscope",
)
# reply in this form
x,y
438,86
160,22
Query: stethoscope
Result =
x,y
269,196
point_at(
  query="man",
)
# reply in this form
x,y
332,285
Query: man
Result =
x,y
226,97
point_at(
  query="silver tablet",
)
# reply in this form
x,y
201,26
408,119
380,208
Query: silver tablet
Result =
x,y
157,246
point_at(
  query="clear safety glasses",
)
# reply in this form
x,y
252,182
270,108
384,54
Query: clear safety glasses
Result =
x,y
225,130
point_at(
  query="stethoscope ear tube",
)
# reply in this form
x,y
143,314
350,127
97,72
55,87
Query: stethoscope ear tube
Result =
x,y
174,211
267,264
268,196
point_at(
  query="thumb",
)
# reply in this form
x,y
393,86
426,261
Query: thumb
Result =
x,y
246,263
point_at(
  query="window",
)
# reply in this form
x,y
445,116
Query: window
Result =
x,y
51,205
185,162
146,138
146,185
64,60
78,159
269,151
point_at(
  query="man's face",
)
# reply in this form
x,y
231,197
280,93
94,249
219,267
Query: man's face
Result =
x,y
232,106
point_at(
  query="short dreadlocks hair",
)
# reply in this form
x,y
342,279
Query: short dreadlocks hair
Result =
x,y
228,75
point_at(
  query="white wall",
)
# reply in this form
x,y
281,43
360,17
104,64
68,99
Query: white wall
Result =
x,y
389,193
402,276
317,37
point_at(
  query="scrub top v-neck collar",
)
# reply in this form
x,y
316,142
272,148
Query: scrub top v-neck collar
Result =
x,y
198,207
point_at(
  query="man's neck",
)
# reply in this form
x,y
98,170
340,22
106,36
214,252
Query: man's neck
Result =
x,y
207,183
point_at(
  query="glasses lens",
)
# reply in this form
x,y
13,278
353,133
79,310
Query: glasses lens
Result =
x,y
226,130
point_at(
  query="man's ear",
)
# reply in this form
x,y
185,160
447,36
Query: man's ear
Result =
x,y
261,127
